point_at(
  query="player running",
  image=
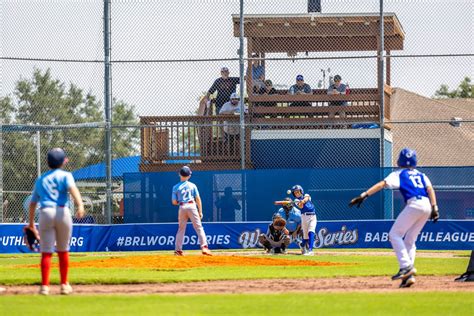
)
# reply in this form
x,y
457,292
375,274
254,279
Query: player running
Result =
x,y
420,200
186,195
308,218
51,191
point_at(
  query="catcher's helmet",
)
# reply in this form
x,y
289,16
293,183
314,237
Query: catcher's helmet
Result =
x,y
297,188
407,158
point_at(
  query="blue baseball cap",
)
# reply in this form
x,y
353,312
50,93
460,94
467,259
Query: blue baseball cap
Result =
x,y
185,171
300,77
56,158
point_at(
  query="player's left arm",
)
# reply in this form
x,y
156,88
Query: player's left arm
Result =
x,y
364,195
32,214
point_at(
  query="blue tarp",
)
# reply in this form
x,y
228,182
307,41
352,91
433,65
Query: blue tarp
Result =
x,y
97,171
119,167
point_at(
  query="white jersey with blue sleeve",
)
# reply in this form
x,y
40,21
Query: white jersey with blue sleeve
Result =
x,y
52,188
411,182
184,192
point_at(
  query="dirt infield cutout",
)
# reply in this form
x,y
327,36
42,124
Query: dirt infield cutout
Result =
x,y
186,262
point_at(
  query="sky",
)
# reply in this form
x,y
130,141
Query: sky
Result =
x,y
151,30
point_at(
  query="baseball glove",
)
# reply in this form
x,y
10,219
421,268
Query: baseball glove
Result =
x,y
31,238
358,200
434,213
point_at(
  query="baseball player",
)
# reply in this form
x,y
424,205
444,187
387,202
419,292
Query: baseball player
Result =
x,y
420,200
308,218
468,276
55,223
186,195
277,237
292,215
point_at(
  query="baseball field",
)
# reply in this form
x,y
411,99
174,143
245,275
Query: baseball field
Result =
x,y
332,282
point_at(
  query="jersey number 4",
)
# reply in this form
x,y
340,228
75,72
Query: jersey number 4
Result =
x,y
416,180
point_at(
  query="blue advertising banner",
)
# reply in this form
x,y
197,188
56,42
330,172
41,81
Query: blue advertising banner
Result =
x,y
444,235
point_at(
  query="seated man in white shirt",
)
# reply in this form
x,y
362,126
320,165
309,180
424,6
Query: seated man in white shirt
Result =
x,y
232,129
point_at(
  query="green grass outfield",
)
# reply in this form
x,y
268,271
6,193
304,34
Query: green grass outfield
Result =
x,y
421,303
377,263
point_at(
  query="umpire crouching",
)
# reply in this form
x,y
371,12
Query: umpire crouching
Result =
x,y
276,239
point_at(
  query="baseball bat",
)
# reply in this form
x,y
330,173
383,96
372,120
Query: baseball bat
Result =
x,y
284,202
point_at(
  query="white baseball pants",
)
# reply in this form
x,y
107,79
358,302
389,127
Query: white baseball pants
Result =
x,y
308,224
55,227
406,228
189,211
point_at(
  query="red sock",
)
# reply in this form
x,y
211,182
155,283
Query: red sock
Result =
x,y
45,267
63,265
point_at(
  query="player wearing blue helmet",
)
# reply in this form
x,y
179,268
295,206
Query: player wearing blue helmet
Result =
x,y
51,193
420,199
308,218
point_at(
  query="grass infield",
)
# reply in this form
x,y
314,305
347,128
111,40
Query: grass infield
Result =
x,y
24,269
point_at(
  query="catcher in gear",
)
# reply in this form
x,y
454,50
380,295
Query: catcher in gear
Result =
x,y
277,237
292,215
31,238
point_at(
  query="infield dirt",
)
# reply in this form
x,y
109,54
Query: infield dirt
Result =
x,y
348,284
186,262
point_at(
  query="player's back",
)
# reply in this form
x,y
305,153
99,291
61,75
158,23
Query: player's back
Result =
x,y
413,183
185,191
51,189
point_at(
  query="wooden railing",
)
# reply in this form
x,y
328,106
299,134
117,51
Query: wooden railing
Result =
x,y
201,139
194,139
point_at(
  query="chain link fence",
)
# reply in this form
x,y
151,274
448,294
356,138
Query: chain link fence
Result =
x,y
311,80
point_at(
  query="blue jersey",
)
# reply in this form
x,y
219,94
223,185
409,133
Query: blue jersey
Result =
x,y
308,207
292,220
51,189
184,192
412,183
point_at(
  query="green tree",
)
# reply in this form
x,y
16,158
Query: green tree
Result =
x,y
464,90
48,102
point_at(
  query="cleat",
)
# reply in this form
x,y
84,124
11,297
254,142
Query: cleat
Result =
x,y
304,250
44,290
66,289
206,251
309,253
465,277
408,281
178,253
404,273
